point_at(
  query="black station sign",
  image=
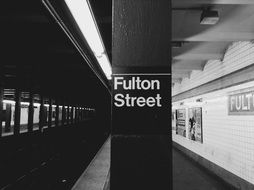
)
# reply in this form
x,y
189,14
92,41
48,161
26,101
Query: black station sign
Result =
x,y
241,102
145,98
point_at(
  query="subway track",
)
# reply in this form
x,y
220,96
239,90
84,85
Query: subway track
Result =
x,y
54,160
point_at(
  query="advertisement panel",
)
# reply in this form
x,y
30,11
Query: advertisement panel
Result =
x,y
181,122
195,124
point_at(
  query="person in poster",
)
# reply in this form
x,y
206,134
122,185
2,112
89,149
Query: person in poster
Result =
x,y
195,124
192,125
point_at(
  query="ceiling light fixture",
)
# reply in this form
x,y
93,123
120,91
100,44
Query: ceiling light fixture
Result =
x,y
209,17
83,15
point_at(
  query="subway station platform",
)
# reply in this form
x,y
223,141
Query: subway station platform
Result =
x,y
65,88
188,175
96,176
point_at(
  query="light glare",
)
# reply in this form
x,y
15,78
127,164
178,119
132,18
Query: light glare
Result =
x,y
82,13
104,63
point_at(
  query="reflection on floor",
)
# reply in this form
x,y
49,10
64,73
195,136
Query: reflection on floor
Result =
x,y
187,175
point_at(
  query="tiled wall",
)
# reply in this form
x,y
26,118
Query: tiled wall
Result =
x,y
237,56
228,140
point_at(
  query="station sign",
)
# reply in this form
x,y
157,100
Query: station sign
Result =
x,y
142,97
137,91
241,102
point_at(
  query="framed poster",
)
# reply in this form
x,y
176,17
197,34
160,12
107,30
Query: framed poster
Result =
x,y
181,122
195,131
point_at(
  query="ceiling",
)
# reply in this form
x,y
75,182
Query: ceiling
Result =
x,y
200,43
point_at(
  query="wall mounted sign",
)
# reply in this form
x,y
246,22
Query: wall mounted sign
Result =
x,y
136,84
241,102
143,97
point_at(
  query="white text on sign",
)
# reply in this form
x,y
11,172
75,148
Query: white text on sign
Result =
x,y
135,83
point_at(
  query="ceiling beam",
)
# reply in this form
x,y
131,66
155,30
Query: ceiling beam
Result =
x,y
231,2
213,36
176,80
178,74
198,56
200,50
188,65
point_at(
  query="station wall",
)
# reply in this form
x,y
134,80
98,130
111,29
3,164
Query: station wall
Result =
x,y
227,139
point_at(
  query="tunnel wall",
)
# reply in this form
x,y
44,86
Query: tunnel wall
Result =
x,y
227,148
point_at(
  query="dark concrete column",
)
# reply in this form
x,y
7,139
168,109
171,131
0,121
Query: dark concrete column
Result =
x,y
77,114
57,113
1,97
141,139
50,113
41,114
68,115
82,113
72,119
31,111
63,114
17,111
8,118
1,107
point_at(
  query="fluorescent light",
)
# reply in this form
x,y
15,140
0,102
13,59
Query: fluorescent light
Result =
x,y
83,15
103,61
13,102
9,102
37,104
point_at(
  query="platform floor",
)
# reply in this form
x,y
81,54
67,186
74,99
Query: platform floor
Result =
x,y
97,173
188,175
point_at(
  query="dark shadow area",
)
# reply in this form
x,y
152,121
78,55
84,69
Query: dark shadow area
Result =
x,y
140,162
